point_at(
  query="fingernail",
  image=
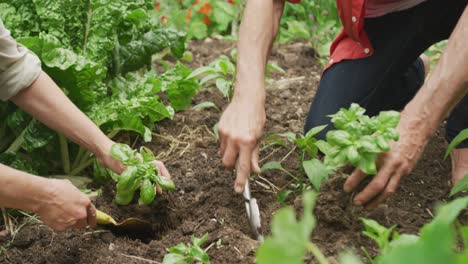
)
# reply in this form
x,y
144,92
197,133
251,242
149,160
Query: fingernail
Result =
x,y
358,203
346,189
238,188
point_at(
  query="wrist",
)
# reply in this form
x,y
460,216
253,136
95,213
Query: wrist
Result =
x,y
419,117
102,148
44,193
250,92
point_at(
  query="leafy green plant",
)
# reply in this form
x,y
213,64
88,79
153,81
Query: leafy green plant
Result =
x,y
99,52
222,73
436,242
141,172
188,253
316,21
462,136
462,185
380,234
289,241
358,140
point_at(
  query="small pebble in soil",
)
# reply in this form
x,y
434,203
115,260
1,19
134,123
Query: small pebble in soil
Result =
x,y
107,237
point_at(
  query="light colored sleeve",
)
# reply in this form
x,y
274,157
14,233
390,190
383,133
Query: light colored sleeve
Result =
x,y
19,67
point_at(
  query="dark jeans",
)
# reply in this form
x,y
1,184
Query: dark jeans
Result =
x,y
390,78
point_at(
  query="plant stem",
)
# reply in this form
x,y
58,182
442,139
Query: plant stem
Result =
x,y
81,167
64,152
290,174
83,158
317,253
113,133
16,145
88,25
79,155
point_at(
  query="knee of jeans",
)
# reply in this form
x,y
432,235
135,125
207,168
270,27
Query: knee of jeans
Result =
x,y
314,120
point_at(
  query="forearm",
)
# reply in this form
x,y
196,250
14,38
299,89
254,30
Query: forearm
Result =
x,y
447,85
257,33
15,184
47,103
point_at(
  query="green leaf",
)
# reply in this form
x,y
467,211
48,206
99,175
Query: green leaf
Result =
x,y
205,105
124,153
200,71
198,242
173,258
349,257
289,237
275,67
147,193
316,172
436,243
461,186
147,154
165,183
224,86
272,165
314,131
380,234
367,163
339,137
353,155
198,30
282,196
324,147
462,136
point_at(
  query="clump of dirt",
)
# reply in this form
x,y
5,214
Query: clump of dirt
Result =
x,y
205,202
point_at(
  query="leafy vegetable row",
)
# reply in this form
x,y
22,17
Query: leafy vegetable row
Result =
x,y
99,52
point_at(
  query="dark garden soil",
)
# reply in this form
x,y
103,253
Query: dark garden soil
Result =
x,y
205,202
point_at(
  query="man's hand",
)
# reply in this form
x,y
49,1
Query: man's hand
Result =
x,y
66,207
393,165
240,128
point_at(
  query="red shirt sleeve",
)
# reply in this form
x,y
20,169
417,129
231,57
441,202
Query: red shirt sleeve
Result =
x,y
294,1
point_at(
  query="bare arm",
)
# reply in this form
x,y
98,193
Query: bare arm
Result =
x,y
59,204
241,125
257,33
446,86
47,103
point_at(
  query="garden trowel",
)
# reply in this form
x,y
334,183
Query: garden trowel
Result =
x,y
129,224
253,212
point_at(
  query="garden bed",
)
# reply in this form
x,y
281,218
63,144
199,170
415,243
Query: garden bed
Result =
x,y
205,202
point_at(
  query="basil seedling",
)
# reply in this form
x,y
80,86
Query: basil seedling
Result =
x,y
140,172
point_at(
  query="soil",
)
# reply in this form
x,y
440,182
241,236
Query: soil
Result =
x,y
205,202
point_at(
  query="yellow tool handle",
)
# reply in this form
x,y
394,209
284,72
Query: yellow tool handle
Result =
x,y
104,219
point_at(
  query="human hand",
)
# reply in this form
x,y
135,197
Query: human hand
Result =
x,y
106,159
240,129
393,165
65,207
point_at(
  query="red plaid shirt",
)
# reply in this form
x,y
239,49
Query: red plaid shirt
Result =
x,y
352,42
